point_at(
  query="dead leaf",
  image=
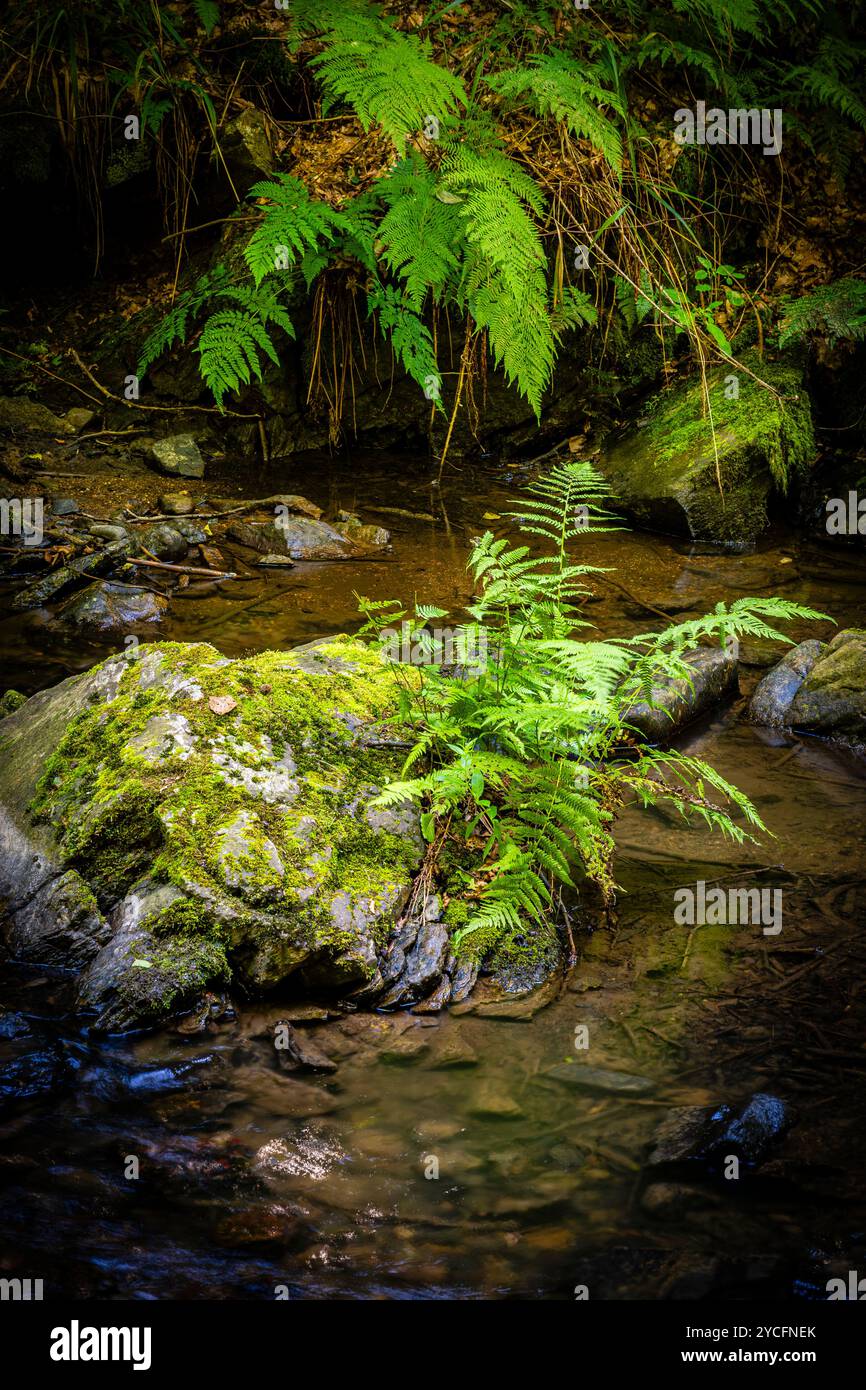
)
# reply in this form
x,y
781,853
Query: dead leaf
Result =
x,y
222,704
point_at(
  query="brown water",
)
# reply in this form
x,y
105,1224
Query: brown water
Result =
x,y
439,1160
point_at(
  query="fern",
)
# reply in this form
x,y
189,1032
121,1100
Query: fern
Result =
x,y
556,85
387,77
409,336
293,224
232,339
836,311
173,327
208,12
520,755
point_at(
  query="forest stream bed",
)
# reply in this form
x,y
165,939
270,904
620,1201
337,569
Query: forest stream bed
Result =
x,y
458,1154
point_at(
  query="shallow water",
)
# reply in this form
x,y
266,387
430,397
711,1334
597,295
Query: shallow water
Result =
x,y
439,1160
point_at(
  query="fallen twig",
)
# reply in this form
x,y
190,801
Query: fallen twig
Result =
x,y
184,569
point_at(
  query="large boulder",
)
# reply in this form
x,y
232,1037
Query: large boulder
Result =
x,y
174,820
667,473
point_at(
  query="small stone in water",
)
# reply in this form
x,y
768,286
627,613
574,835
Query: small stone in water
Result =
x,y
598,1079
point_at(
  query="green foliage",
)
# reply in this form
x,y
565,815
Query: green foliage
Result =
x,y
231,340
388,78
521,754
554,84
834,312
293,223
463,220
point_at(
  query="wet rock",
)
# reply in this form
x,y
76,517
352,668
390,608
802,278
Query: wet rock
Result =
x,y
751,1132
107,531
426,959
64,506
176,503
157,1080
403,1051
598,1079
109,607
179,455
464,973
60,925
675,703
520,1008
54,583
298,538
258,1226
140,978
308,1153
436,1000
832,698
492,1101
35,1075
771,703
186,1165
666,474
163,542
276,562
455,1051
670,1201
305,538
364,538
78,418
281,1094
296,1050
709,1135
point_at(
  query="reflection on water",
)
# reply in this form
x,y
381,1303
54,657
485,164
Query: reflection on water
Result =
x,y
440,1159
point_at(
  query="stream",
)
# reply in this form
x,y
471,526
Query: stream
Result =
x,y
440,1159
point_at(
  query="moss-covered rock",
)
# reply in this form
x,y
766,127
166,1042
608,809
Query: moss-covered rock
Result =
x,y
709,473
832,698
219,813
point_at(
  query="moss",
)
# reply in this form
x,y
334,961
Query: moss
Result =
x,y
184,918
10,702
757,420
130,795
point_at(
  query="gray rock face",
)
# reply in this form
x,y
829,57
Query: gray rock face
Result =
x,y
676,703
774,695
179,456
109,607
